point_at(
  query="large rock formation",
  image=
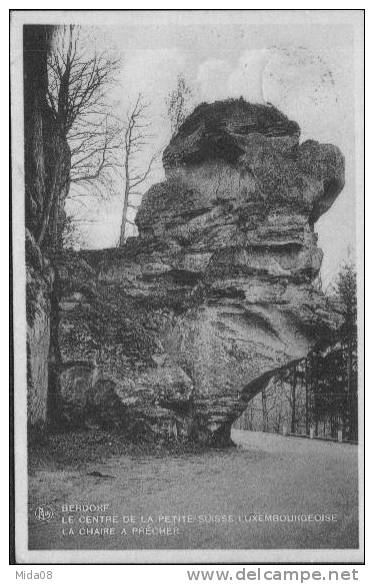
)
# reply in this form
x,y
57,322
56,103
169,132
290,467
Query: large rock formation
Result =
x,y
175,332
39,286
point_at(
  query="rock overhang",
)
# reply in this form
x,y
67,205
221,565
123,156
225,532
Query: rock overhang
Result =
x,y
274,180
217,290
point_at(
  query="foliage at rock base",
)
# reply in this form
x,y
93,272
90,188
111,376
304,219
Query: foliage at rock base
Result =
x,y
172,334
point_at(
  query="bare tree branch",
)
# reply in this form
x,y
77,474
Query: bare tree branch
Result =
x,y
136,140
78,82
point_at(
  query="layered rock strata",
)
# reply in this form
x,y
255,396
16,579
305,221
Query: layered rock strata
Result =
x,y
172,334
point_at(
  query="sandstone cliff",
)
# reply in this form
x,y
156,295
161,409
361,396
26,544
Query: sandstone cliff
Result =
x,y
174,333
47,171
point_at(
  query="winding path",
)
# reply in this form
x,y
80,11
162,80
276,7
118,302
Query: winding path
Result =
x,y
267,474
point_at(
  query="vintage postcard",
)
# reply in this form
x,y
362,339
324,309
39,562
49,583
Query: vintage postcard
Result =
x,y
187,194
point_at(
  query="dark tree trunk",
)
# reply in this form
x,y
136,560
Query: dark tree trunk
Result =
x,y
265,425
47,154
36,41
307,397
293,401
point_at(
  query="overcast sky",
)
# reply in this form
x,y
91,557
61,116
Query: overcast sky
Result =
x,y
304,70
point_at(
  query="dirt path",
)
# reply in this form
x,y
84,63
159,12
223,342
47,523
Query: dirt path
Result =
x,y
206,500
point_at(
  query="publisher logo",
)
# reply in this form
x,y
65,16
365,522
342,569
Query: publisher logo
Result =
x,y
44,513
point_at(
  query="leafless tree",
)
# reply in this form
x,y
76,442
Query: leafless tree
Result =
x,y
179,104
78,81
136,139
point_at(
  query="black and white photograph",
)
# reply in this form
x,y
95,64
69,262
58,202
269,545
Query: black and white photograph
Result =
x,y
187,207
